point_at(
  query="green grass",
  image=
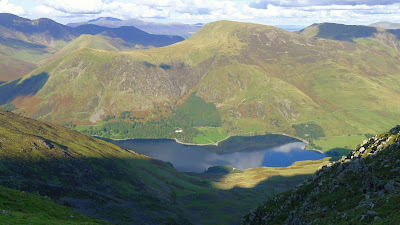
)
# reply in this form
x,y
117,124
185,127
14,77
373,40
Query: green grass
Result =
x,y
349,142
78,167
249,79
340,194
26,208
210,135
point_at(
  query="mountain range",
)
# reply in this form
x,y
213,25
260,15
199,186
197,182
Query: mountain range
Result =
x,y
24,43
325,82
183,30
331,85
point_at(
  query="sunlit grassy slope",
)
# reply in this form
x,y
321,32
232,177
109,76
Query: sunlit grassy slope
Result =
x,y
101,180
261,78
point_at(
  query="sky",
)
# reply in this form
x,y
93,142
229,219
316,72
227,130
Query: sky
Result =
x,y
271,12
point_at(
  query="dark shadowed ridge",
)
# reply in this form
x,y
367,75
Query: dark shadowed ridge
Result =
x,y
341,32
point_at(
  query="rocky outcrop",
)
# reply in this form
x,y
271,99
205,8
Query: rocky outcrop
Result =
x,y
362,187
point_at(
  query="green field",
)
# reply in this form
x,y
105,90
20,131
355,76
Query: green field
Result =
x,y
348,142
210,135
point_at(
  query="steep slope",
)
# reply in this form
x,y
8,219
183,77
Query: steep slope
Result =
x,y
26,208
386,25
361,188
184,30
89,175
24,43
260,78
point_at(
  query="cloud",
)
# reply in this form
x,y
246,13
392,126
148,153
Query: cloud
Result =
x,y
263,4
272,12
76,6
6,7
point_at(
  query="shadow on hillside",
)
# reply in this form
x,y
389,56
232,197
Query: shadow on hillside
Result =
x,y
211,207
135,191
337,153
22,87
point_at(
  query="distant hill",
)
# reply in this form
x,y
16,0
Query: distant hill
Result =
x,y
339,32
25,43
130,34
184,30
258,78
386,25
388,39
361,188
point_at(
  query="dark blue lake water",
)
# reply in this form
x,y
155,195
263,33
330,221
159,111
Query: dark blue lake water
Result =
x,y
190,158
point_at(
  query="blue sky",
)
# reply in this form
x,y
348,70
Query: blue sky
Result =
x,y
272,12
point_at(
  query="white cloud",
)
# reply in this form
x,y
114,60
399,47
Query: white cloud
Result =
x,y
300,12
76,6
6,7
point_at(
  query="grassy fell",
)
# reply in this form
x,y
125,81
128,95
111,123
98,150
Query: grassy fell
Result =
x,y
261,79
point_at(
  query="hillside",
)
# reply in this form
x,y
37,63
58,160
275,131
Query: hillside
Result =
x,y
361,188
260,78
376,37
26,208
386,25
180,29
99,179
131,35
89,175
25,43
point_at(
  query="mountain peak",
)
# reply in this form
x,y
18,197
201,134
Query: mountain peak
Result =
x,y
104,19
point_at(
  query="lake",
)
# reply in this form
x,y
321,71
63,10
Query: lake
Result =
x,y
192,158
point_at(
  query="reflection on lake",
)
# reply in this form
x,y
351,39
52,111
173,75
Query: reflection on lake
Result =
x,y
188,158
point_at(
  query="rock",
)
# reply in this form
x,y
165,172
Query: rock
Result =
x,y
370,212
347,161
46,144
355,166
71,216
395,130
362,218
390,186
362,150
376,218
4,211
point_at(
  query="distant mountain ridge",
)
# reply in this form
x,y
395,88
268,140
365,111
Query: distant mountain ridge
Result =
x,y
386,25
184,30
24,43
354,33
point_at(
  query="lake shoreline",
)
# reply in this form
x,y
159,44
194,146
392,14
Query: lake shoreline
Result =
x,y
216,143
